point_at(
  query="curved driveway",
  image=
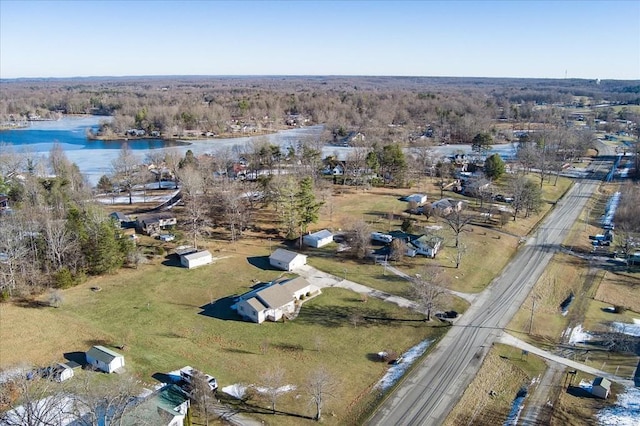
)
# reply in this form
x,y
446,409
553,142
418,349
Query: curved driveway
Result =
x,y
430,392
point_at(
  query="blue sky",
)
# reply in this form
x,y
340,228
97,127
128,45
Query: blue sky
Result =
x,y
546,39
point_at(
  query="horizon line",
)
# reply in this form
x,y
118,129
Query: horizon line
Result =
x,y
157,76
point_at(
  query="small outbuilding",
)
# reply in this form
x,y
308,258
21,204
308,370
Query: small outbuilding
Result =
x,y
287,260
318,239
61,372
104,359
601,387
195,259
420,199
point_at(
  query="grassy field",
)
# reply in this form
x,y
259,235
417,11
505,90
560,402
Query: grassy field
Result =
x,y
164,317
167,317
504,371
383,210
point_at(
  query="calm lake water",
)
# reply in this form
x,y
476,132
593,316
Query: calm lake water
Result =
x,y
94,158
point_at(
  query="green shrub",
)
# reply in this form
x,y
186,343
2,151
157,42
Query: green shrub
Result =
x,y
63,278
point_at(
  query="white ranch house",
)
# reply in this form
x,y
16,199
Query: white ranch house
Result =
x,y
275,300
426,245
287,260
318,239
104,359
195,259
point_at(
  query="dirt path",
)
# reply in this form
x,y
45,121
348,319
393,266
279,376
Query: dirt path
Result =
x,y
539,405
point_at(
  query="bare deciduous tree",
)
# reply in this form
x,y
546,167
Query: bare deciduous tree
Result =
x,y
202,395
126,170
458,222
320,386
427,288
192,187
358,237
274,381
38,401
99,402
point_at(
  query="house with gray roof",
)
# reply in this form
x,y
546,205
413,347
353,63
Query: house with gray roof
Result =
x,y
275,300
287,260
153,223
104,359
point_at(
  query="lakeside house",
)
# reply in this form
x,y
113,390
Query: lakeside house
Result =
x,y
151,224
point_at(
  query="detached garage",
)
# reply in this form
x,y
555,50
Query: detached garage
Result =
x,y
195,259
318,239
420,199
104,359
287,260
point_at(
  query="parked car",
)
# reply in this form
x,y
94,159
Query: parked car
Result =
x,y
167,237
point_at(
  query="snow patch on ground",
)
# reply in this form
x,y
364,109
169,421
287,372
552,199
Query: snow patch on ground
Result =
x,y
280,390
395,372
577,334
586,385
626,411
516,408
626,328
236,390
239,390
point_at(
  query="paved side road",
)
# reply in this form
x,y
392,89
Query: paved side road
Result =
x,y
538,404
514,341
429,392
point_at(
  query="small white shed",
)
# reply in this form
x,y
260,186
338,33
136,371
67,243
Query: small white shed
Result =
x,y
318,239
418,198
601,387
198,258
104,359
62,372
287,260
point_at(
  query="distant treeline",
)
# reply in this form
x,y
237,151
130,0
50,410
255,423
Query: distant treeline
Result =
x,y
389,109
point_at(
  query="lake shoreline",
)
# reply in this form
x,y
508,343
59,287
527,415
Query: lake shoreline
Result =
x,y
189,140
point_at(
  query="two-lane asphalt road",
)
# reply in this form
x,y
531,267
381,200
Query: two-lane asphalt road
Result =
x,y
430,392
